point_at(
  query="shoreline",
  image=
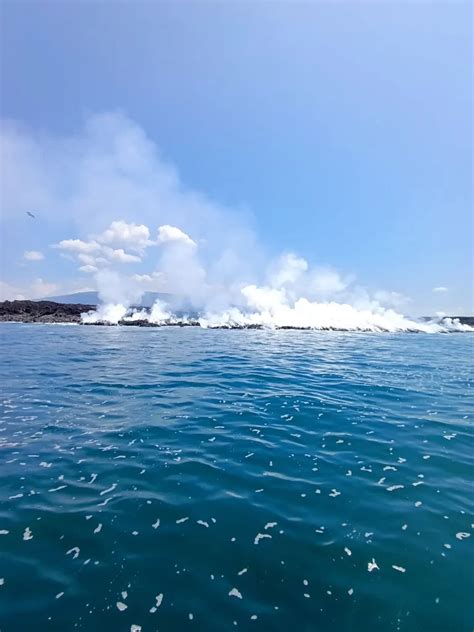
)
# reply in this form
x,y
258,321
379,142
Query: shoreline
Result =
x,y
53,313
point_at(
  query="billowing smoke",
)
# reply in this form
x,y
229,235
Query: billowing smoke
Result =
x,y
133,227
117,294
289,294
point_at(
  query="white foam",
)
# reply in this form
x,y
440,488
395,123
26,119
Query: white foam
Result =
x,y
110,489
27,535
57,489
372,566
261,536
75,550
270,525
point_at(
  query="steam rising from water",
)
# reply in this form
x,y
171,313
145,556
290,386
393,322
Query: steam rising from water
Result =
x,y
293,295
303,314
205,257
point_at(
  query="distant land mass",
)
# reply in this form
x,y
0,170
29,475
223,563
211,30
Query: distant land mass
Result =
x,y
92,298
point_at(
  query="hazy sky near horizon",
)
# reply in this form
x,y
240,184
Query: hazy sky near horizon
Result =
x,y
338,131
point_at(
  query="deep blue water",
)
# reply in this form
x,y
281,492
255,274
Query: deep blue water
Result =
x,y
141,468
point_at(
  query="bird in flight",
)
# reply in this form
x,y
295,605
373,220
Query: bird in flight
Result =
x,y
31,214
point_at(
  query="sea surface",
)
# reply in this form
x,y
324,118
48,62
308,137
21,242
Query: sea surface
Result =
x,y
185,479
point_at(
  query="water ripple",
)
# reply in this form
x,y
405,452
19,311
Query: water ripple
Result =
x,y
203,465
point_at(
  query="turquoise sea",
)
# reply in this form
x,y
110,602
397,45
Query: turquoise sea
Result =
x,y
185,479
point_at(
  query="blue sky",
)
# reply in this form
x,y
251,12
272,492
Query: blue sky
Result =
x,y
338,131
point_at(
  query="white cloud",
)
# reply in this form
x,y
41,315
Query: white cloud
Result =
x,y
78,246
391,299
89,269
134,236
90,260
167,234
33,255
142,278
39,288
10,292
121,256
96,252
440,288
154,277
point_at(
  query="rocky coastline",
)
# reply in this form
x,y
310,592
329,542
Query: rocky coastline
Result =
x,y
42,312
27,311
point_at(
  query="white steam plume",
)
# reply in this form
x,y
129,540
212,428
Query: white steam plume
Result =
x,y
133,227
293,296
117,294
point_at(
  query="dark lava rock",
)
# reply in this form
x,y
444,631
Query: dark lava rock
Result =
x,y
137,323
42,312
165,323
464,320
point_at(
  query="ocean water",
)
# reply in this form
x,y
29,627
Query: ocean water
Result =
x,y
178,479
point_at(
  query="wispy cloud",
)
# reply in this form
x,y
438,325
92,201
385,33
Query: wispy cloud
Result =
x,y
33,255
39,288
440,288
101,250
391,299
10,292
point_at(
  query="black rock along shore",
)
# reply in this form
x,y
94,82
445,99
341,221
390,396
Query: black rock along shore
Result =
x,y
51,312
42,312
